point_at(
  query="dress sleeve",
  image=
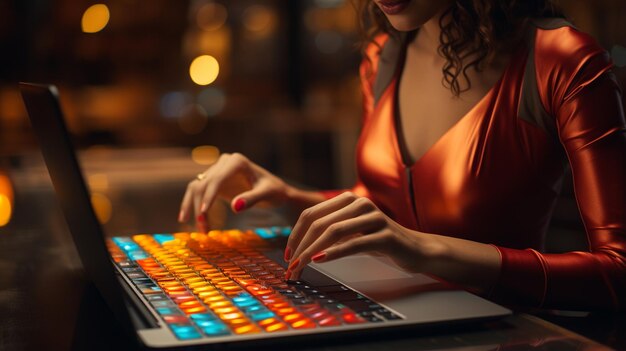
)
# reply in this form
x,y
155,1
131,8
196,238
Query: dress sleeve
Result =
x,y
578,89
367,74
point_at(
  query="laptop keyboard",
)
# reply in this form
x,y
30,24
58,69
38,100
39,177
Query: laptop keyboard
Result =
x,y
222,283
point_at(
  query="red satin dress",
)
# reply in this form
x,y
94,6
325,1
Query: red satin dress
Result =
x,y
494,177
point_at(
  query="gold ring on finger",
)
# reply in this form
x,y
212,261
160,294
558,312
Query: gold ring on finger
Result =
x,y
200,176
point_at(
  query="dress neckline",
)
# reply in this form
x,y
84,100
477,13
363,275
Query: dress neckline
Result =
x,y
400,144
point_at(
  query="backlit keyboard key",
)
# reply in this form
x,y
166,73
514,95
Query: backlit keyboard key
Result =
x,y
329,321
175,319
185,332
246,329
215,329
303,324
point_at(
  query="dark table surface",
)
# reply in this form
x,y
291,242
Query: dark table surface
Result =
x,y
46,302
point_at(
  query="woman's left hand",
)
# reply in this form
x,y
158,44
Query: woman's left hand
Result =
x,y
349,224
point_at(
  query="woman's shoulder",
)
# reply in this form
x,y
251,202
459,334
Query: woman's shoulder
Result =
x,y
565,47
566,58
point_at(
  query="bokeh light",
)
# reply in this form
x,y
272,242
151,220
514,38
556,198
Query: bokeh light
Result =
x,y
204,70
212,100
102,206
173,103
5,210
98,182
211,16
6,200
260,20
205,154
95,18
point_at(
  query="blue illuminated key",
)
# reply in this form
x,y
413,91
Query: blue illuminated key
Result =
x,y
202,317
265,233
254,308
216,329
185,332
167,310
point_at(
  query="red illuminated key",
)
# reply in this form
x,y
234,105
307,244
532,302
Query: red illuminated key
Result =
x,y
176,319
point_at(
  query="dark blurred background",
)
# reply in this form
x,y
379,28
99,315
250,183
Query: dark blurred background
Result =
x,y
277,80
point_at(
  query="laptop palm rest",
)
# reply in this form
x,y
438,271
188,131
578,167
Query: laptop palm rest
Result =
x,y
418,296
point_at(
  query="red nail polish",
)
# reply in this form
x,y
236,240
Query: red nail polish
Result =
x,y
287,275
318,256
200,218
287,253
294,264
240,204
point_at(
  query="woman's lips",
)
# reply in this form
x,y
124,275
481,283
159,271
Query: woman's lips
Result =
x,y
392,7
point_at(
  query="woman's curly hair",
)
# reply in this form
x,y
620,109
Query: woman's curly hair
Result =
x,y
471,31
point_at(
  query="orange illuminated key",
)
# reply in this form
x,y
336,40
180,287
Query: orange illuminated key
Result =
x,y
172,289
285,311
177,293
278,305
303,324
169,283
232,315
223,310
246,329
195,279
192,310
293,317
219,304
207,293
184,298
212,299
157,275
186,275
209,271
190,303
278,326
198,285
246,282
268,321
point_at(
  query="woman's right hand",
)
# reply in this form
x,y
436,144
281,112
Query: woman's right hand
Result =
x,y
233,177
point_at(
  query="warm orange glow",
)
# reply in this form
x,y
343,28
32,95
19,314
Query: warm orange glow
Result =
x,y
6,200
5,210
205,155
98,182
211,16
204,70
260,20
102,206
95,18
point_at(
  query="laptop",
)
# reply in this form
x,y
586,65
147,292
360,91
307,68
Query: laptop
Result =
x,y
227,286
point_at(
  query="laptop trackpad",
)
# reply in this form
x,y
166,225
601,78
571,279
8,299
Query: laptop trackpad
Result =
x,y
379,278
362,269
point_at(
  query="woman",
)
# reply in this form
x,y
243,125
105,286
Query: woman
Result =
x,y
472,110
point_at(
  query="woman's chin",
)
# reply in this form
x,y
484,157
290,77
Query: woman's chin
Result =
x,y
403,25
